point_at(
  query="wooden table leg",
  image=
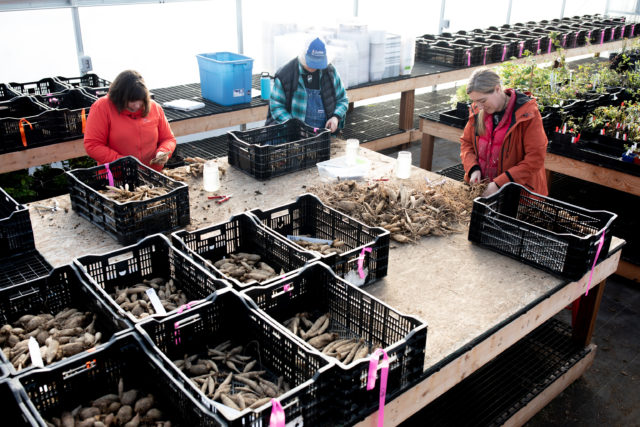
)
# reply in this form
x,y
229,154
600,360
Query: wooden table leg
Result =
x,y
426,151
350,108
587,313
407,103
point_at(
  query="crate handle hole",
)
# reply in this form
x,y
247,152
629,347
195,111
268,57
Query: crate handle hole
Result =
x,y
214,233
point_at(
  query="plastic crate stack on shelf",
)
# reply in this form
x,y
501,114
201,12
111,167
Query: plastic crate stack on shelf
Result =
x,y
20,261
47,111
16,411
499,44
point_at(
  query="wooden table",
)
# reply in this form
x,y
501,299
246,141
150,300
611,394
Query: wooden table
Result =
x,y
553,163
491,301
406,86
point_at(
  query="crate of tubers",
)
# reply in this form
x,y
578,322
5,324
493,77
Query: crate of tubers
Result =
x,y
242,251
278,149
235,361
15,411
129,200
341,240
346,324
60,312
150,278
552,235
119,384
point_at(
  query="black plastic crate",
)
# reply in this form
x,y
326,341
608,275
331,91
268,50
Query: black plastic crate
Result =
x,y
15,411
309,216
228,316
26,123
554,236
16,233
83,378
130,221
447,53
6,93
457,118
41,87
88,80
61,289
74,106
150,258
279,149
353,314
242,233
22,268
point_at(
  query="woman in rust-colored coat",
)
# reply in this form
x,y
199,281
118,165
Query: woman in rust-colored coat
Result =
x,y
504,140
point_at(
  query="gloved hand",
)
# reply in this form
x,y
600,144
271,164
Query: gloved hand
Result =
x,y
475,177
161,158
491,189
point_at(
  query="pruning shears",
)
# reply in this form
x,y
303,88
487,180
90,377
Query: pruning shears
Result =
x,y
221,198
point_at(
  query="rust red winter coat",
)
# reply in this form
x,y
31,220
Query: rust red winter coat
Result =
x,y
523,150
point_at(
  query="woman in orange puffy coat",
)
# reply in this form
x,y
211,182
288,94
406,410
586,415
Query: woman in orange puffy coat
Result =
x,y
504,140
127,122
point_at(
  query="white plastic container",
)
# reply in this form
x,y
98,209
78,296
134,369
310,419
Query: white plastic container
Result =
x,y
286,47
376,55
351,151
211,176
407,57
403,165
392,49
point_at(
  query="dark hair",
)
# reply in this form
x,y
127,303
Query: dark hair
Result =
x,y
129,86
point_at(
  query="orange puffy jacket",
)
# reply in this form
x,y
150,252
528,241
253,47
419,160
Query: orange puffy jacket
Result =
x,y
523,150
110,135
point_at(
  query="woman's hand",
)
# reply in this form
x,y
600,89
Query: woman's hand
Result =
x,y
491,189
161,158
475,177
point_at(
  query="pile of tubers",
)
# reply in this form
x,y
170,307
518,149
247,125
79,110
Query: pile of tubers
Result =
x,y
193,169
123,194
336,246
227,375
316,333
408,213
245,267
135,300
67,333
130,408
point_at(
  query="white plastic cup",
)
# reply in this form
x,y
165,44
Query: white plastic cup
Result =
x,y
211,177
403,166
351,151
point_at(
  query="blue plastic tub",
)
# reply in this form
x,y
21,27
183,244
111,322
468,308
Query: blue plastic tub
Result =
x,y
225,77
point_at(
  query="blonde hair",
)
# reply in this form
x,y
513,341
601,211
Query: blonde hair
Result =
x,y
482,80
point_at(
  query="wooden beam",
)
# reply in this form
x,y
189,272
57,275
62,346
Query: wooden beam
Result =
x,y
593,173
41,155
628,270
553,390
587,312
388,142
414,399
430,130
407,102
426,151
218,121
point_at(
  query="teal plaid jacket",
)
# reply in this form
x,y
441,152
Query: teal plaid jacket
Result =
x,y
278,101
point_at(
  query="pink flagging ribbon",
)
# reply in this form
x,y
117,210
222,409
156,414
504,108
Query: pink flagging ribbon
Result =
x,y
538,48
504,52
564,40
484,57
575,41
468,58
361,262
550,43
384,374
184,307
315,130
633,29
277,414
589,36
602,37
287,287
613,33
521,47
594,262
109,174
